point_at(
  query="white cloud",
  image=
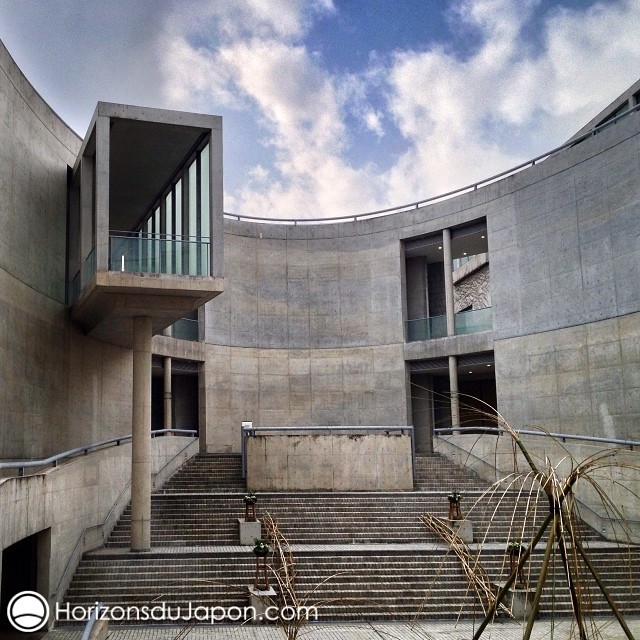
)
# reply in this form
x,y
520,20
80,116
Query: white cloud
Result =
x,y
302,110
373,120
298,104
463,118
259,173
197,78
237,19
443,104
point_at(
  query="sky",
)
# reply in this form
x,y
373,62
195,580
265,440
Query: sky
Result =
x,y
336,107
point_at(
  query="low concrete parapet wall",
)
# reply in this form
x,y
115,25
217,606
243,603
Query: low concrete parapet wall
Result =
x,y
329,461
79,502
496,460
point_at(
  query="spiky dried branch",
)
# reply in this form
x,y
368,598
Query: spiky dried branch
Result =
x,y
562,522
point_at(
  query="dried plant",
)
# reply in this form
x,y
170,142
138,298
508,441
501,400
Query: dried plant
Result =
x,y
473,570
284,570
561,524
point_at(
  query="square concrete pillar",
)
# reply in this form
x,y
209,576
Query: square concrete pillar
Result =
x,y
260,600
249,531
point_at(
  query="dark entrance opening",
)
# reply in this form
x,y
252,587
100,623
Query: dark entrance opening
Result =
x,y
184,394
431,396
24,568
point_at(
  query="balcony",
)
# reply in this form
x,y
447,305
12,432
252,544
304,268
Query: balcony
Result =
x,y
426,328
158,253
473,321
436,326
145,220
164,277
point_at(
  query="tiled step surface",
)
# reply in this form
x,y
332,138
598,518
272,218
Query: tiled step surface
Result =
x,y
358,585
208,472
214,472
437,473
369,552
334,518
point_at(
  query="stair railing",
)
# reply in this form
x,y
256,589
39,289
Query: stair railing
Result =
x,y
563,437
54,460
79,547
630,527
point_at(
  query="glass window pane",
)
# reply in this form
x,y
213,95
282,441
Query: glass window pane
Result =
x,y
168,230
156,241
193,217
204,211
147,247
178,226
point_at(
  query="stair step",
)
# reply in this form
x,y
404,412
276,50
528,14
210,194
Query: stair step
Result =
x,y
195,518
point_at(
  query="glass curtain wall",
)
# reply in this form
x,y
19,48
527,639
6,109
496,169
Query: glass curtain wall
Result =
x,y
174,237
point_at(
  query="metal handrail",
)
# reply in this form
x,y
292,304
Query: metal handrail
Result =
x,y
21,465
126,487
529,432
402,428
442,196
168,462
93,618
144,235
80,540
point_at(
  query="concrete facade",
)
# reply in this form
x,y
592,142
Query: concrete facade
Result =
x,y
59,389
310,329
77,504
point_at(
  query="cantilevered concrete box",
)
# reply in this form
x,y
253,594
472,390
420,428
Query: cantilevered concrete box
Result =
x,y
145,219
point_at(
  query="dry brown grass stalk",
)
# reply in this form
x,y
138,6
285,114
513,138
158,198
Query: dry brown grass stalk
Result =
x,y
562,523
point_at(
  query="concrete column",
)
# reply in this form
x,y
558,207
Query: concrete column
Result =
x,y
448,281
103,141
453,391
87,221
168,422
422,412
205,435
141,442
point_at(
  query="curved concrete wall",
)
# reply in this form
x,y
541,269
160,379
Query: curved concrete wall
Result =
x,y
310,327
308,332
58,388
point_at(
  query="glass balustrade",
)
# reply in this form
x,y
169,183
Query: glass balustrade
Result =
x,y
159,253
473,321
426,328
436,326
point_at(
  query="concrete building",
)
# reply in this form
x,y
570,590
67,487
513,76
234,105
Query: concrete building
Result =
x,y
521,292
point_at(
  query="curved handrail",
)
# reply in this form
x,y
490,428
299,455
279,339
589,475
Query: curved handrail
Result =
x,y
106,519
443,196
21,465
530,432
93,618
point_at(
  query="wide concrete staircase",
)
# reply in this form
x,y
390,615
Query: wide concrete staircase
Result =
x,y
369,552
